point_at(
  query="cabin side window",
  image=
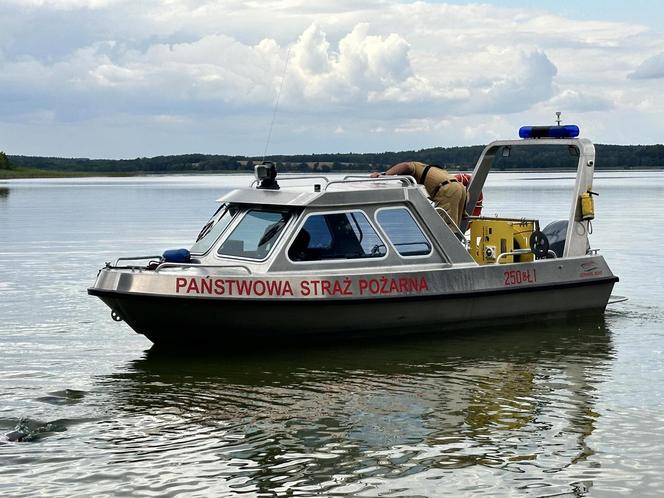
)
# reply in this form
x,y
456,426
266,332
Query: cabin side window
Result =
x,y
255,235
327,236
403,232
213,229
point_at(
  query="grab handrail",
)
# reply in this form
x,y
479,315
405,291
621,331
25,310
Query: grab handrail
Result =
x,y
135,258
301,177
518,252
405,179
167,264
161,266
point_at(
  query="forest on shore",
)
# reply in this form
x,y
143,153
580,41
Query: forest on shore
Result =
x,y
453,158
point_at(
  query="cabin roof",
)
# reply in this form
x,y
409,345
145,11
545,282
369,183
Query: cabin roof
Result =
x,y
343,193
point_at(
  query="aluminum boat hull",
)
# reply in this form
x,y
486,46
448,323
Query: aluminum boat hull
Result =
x,y
195,320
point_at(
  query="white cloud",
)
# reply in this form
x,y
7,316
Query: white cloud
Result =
x,y
66,4
355,66
580,102
360,69
311,52
422,126
651,68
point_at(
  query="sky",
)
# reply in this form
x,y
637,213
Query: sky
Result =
x,y
128,78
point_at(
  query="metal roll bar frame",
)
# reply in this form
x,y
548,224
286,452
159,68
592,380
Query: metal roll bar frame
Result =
x,y
518,252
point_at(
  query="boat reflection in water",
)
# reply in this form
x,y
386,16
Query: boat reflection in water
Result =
x,y
490,411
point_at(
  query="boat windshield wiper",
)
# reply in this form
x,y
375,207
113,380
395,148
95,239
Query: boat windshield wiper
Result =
x,y
208,226
271,232
205,230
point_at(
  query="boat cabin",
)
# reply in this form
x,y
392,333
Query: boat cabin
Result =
x,y
334,224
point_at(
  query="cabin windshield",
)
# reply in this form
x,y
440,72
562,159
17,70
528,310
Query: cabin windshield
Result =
x,y
255,235
213,229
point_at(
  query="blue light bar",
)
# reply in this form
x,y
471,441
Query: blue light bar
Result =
x,y
565,131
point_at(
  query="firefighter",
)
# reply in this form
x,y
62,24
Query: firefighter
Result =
x,y
444,189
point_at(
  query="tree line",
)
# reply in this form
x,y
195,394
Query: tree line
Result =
x,y
453,158
4,161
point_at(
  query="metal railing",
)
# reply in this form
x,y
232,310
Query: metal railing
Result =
x,y
410,178
167,264
282,178
405,180
519,252
161,266
136,258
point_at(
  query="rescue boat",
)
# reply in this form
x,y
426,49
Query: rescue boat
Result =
x,y
363,256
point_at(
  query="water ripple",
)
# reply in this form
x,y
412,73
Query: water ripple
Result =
x,y
271,423
567,408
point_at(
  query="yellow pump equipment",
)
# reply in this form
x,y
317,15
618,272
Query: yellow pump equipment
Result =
x,y
491,237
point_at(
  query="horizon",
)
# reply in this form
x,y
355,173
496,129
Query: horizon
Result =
x,y
111,79
268,156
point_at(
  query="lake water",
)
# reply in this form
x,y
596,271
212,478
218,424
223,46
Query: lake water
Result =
x,y
564,409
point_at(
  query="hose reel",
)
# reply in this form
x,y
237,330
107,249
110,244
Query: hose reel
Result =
x,y
539,244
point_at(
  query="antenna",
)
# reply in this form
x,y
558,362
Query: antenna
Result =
x,y
558,113
276,103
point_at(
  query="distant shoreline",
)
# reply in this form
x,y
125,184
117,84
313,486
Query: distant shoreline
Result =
x,y
31,173
534,158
